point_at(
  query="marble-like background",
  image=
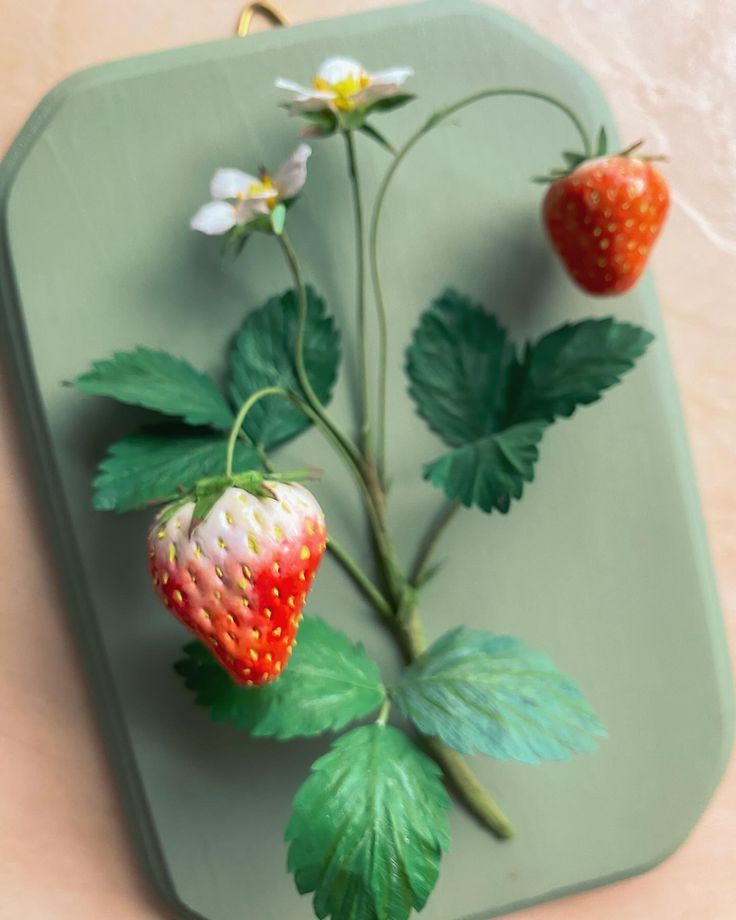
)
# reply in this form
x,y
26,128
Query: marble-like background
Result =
x,y
669,69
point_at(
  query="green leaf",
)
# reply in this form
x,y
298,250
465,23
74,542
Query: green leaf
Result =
x,y
602,145
328,683
278,218
572,158
324,122
157,464
158,380
472,390
491,471
376,135
458,365
368,827
572,366
480,692
389,103
262,356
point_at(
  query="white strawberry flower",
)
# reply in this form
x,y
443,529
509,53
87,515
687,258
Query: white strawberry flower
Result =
x,y
342,85
240,198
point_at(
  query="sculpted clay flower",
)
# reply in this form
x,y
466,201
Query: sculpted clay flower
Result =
x,y
344,94
240,199
343,84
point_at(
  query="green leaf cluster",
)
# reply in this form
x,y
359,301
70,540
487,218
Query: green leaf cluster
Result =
x,y
164,460
492,405
369,825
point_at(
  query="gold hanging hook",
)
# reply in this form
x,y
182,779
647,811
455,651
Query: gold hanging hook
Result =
x,y
270,10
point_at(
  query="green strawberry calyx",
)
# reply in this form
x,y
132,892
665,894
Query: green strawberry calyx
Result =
x,y
206,492
574,158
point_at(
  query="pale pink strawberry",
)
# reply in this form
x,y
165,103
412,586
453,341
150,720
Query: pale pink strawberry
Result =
x,y
240,579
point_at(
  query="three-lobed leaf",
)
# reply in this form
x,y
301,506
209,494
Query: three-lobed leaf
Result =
x,y
158,464
481,692
160,381
368,827
329,682
490,406
263,356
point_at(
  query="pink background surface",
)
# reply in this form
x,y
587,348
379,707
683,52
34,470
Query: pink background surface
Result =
x,y
669,70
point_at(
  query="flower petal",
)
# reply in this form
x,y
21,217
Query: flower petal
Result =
x,y
314,103
393,75
376,91
231,183
214,218
293,87
335,70
248,210
290,179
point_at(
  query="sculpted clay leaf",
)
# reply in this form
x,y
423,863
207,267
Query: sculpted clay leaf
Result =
x,y
481,692
573,366
491,471
158,464
368,827
458,365
329,682
492,407
263,356
158,380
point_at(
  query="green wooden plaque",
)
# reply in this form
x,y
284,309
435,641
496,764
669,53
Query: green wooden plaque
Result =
x,y
604,564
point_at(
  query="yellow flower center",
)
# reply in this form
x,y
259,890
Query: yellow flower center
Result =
x,y
344,90
265,186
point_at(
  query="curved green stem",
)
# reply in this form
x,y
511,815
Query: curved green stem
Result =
x,y
301,371
240,419
365,422
343,557
360,578
434,119
383,714
359,466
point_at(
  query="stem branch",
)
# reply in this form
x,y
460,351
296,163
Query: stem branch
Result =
x,y
240,419
465,783
434,119
365,424
301,371
360,578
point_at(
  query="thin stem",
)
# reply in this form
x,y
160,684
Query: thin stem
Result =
x,y
341,555
365,422
301,371
361,468
434,119
469,789
430,541
240,419
359,577
383,714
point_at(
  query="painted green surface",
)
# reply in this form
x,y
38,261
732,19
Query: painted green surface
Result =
x,y
604,565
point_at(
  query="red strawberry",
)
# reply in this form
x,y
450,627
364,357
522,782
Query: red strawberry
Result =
x,y
240,579
603,219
